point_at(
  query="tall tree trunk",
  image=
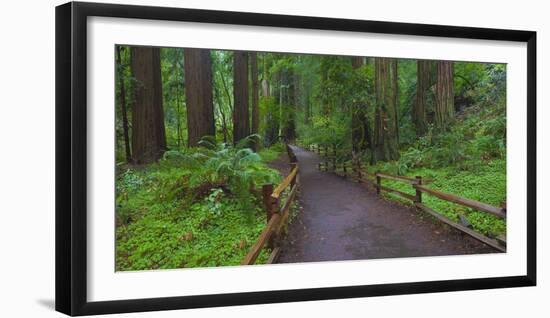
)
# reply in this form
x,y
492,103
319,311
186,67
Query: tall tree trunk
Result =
x,y
325,103
444,108
178,92
266,91
178,118
288,112
148,134
281,100
357,62
255,94
270,119
386,128
307,101
227,94
198,91
241,118
123,105
423,83
218,99
360,133
224,126
307,107
265,88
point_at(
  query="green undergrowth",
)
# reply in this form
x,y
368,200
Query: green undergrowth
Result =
x,y
272,153
193,208
486,183
468,160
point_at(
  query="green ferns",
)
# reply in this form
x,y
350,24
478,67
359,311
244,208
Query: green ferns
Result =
x,y
193,208
479,136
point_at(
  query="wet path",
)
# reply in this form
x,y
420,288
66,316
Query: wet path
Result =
x,y
343,220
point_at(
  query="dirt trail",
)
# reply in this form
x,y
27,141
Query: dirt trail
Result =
x,y
343,220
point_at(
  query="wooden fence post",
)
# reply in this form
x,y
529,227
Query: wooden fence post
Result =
x,y
418,198
378,182
293,181
271,207
267,190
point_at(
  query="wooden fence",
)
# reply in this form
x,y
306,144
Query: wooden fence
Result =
x,y
276,213
352,169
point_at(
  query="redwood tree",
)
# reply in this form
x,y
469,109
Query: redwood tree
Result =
x,y
198,91
386,135
148,134
270,118
360,133
123,110
444,108
423,84
288,110
241,118
266,90
255,93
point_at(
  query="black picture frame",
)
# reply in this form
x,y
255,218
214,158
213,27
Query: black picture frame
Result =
x,y
71,157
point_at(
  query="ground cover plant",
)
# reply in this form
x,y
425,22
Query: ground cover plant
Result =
x,y
199,131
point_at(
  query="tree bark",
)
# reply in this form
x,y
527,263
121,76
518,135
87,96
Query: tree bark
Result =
x,y
123,106
386,137
241,118
360,133
148,133
325,104
255,93
307,104
356,62
218,98
227,94
423,84
270,118
266,92
288,112
198,92
444,108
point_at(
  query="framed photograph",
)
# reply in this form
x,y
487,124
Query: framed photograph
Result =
x,y
210,158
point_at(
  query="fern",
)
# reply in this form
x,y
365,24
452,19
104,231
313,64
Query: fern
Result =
x,y
237,167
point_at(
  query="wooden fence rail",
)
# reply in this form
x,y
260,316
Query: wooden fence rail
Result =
x,y
501,213
276,214
353,170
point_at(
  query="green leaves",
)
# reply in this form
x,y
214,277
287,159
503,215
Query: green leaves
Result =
x,y
468,160
192,209
213,232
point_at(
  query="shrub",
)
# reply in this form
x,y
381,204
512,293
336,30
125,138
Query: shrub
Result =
x,y
192,208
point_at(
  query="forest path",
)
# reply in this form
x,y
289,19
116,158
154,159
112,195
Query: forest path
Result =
x,y
343,220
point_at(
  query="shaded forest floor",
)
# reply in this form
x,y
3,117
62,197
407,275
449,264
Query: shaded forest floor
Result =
x,y
485,183
185,212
